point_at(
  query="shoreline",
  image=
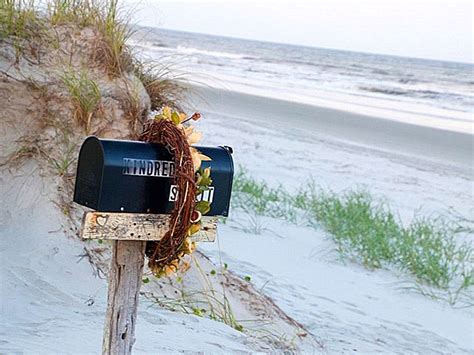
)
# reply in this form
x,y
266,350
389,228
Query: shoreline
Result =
x,y
437,145
359,103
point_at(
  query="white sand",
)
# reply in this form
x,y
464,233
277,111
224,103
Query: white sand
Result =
x,y
304,120
280,142
416,169
52,303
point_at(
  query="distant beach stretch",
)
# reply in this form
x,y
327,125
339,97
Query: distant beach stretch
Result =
x,y
424,92
449,148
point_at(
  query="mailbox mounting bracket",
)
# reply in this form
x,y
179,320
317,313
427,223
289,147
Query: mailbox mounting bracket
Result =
x,y
138,226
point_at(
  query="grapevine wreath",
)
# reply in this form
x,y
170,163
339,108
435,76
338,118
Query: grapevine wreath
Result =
x,y
172,130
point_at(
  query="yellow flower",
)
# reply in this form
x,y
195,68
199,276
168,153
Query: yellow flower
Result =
x,y
194,228
198,158
185,266
188,246
192,136
166,112
168,270
171,268
182,117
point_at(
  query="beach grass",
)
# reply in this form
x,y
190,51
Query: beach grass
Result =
x,y
206,301
36,21
107,18
82,13
112,50
104,16
133,110
366,230
162,83
22,20
16,17
18,22
84,93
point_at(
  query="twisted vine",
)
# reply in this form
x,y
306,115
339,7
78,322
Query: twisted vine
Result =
x,y
173,245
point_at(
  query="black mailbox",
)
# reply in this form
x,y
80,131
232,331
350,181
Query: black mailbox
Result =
x,y
136,177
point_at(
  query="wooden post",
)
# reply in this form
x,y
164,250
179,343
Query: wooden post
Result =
x,y
129,233
125,278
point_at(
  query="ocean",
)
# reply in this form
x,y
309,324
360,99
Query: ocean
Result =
x,y
391,86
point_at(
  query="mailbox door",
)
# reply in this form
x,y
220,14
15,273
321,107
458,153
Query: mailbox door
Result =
x,y
222,173
90,169
137,177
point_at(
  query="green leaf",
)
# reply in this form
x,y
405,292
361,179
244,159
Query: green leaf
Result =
x,y
213,272
197,312
205,181
247,278
146,280
203,207
201,189
203,177
175,118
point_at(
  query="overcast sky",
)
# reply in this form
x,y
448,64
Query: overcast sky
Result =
x,y
417,28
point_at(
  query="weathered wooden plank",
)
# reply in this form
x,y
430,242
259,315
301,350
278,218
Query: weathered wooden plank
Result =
x,y
137,226
125,278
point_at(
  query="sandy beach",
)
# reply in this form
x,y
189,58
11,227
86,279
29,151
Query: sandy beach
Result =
x,y
417,170
443,147
343,305
412,165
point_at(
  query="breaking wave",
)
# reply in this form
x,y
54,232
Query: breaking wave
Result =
x,y
190,50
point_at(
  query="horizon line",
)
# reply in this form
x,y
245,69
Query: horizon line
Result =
x,y
309,46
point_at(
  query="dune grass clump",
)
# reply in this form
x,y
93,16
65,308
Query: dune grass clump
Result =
x,y
23,19
428,249
82,13
133,111
161,83
259,197
17,17
19,21
85,95
112,49
104,16
360,227
205,301
366,230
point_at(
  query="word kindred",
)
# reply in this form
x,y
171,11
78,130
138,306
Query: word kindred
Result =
x,y
160,168
147,167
